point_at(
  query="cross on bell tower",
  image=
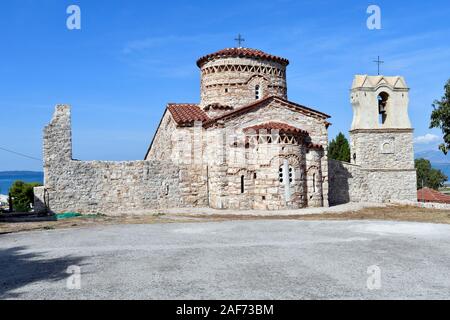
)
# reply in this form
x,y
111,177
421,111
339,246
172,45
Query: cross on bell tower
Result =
x,y
239,40
379,62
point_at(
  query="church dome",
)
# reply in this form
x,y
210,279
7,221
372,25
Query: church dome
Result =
x,y
241,53
235,77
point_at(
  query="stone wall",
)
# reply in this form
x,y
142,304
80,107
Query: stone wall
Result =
x,y
113,187
347,183
383,148
352,183
102,186
162,144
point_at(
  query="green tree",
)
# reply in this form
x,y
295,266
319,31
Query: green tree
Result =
x,y
431,178
440,117
339,148
23,195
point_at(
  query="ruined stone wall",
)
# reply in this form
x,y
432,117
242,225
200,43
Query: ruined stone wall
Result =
x,y
113,187
102,186
232,81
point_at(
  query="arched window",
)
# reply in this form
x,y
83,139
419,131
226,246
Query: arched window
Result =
x,y
383,98
257,92
242,184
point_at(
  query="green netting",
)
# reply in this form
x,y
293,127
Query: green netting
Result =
x,y
67,215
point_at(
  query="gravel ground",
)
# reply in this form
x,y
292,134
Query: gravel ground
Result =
x,y
276,259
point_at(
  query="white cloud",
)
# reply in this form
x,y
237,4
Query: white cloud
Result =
x,y
426,139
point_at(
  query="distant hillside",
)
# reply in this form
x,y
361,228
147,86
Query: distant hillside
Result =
x,y
435,156
19,173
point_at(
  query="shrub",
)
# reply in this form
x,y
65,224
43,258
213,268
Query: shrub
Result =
x,y
22,195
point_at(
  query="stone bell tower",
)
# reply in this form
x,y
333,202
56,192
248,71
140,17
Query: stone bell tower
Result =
x,y
381,137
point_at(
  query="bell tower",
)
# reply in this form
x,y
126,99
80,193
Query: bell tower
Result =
x,y
380,102
381,137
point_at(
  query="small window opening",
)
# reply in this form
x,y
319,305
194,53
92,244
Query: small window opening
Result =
x,y
242,184
226,90
254,175
383,98
314,182
257,92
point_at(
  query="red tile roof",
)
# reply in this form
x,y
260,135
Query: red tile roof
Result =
x,y
282,127
241,52
185,113
430,195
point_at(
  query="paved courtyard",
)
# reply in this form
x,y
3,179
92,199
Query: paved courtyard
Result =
x,y
280,259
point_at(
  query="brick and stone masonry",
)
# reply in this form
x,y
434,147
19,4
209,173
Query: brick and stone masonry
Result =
x,y
244,146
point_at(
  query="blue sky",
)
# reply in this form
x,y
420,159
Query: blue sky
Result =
x,y
132,57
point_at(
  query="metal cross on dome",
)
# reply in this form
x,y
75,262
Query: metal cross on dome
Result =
x,y
239,40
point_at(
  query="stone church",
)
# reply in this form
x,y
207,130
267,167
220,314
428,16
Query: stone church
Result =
x,y
243,146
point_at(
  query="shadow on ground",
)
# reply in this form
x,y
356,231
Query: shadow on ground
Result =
x,y
18,269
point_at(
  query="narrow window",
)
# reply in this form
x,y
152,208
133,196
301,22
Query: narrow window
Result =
x,y
226,90
257,92
242,184
314,182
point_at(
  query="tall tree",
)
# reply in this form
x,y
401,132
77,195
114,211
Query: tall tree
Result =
x,y
339,148
440,117
427,176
